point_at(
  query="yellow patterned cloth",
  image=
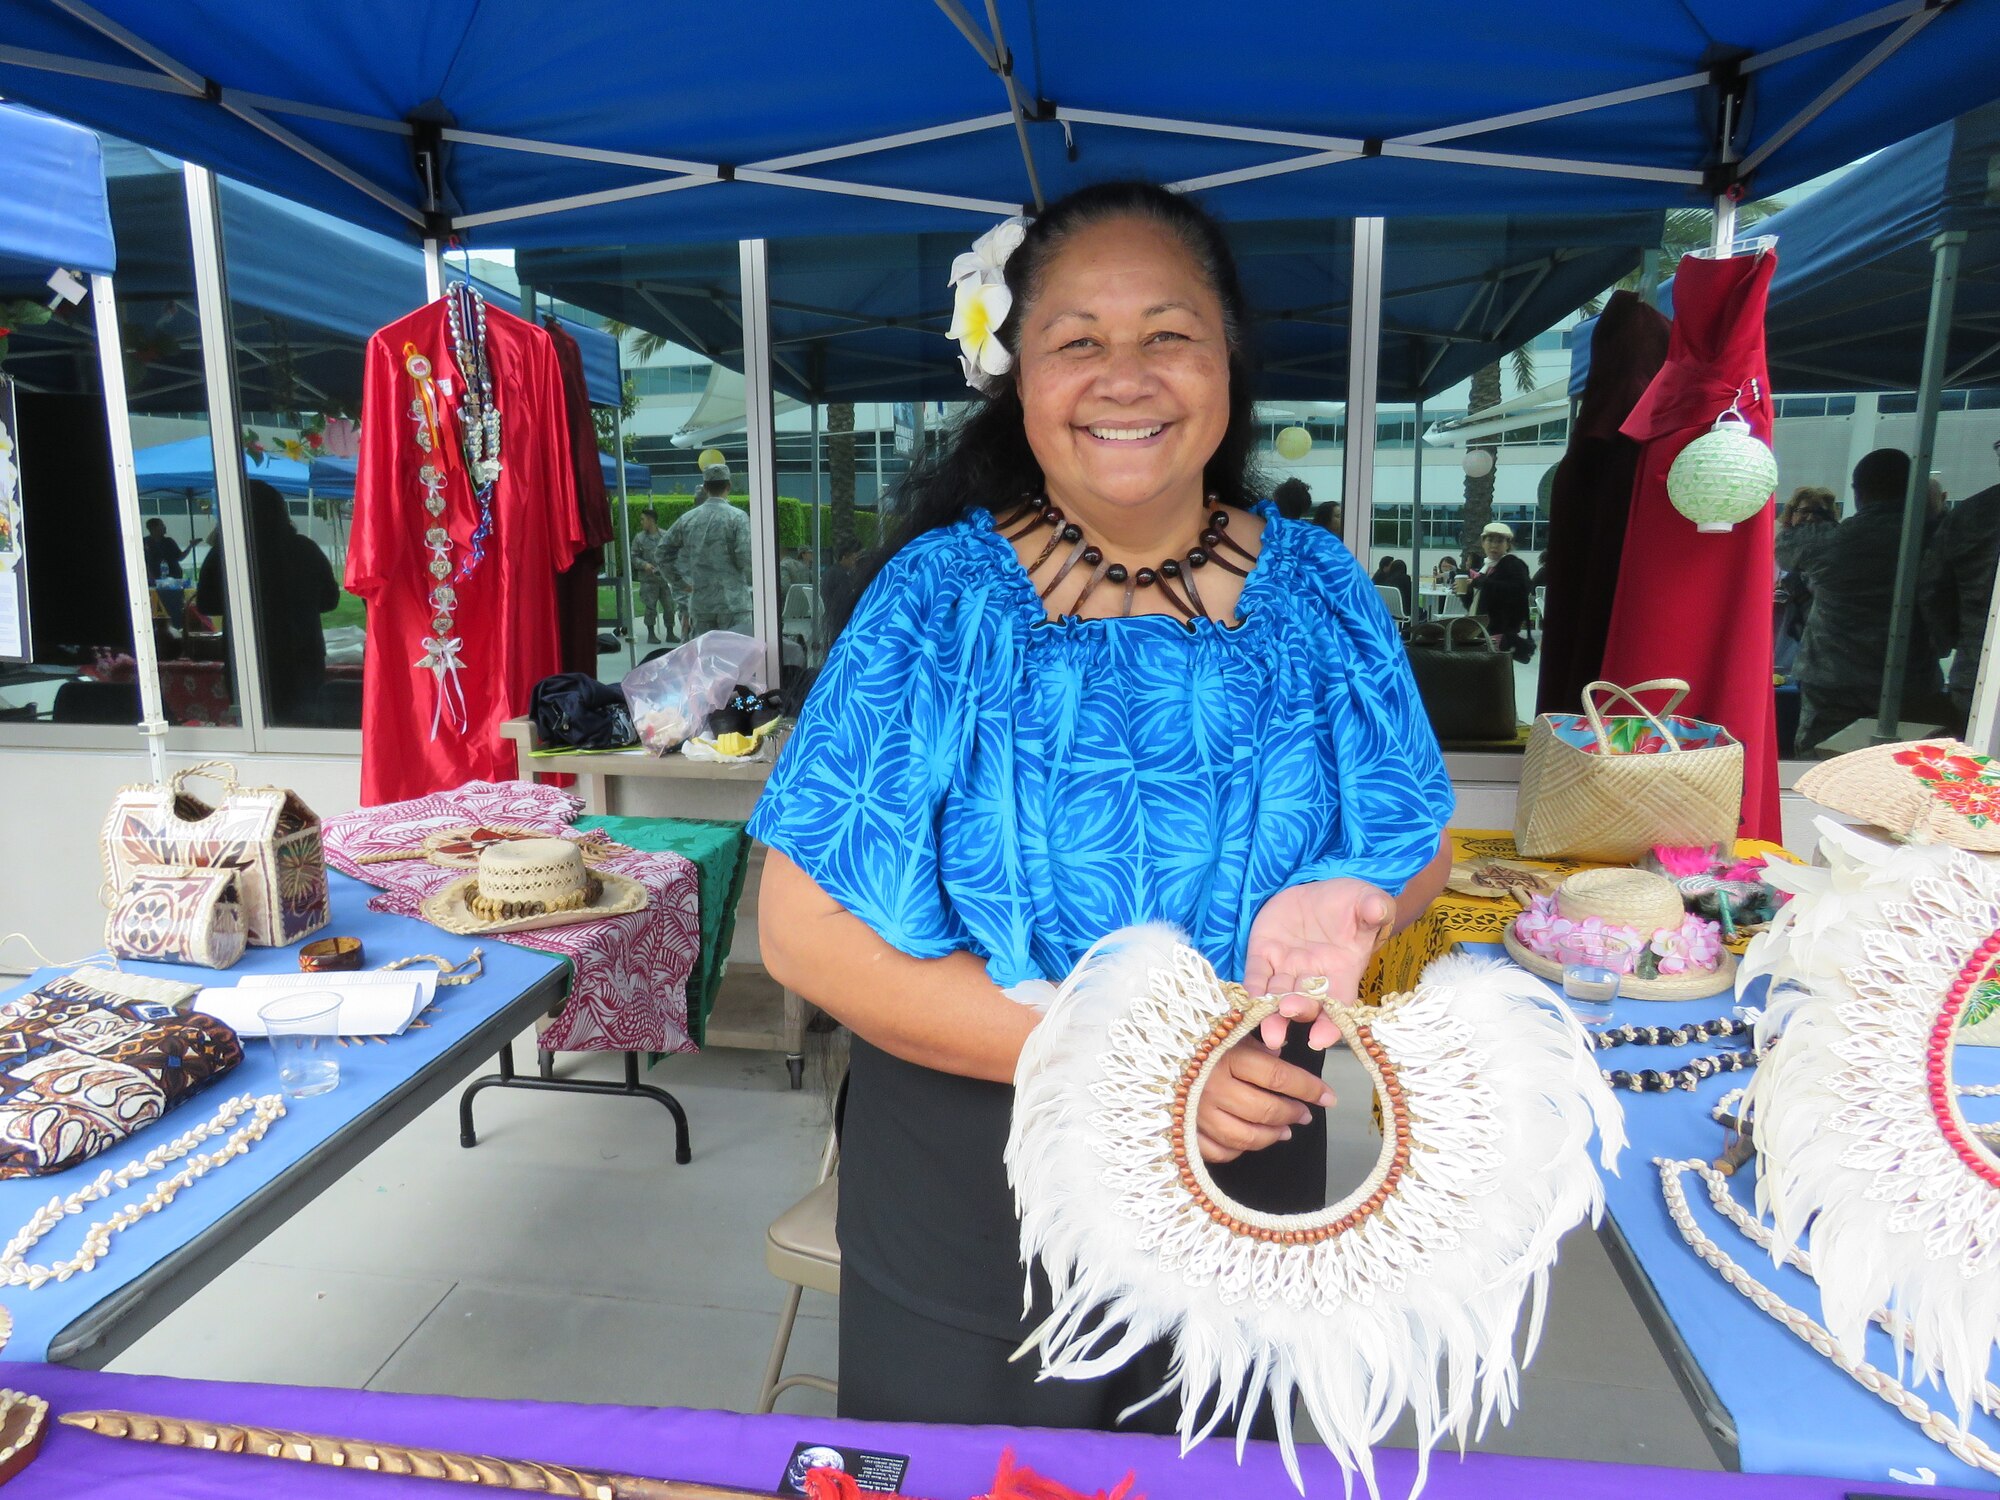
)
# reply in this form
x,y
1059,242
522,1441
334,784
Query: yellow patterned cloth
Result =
x,y
1454,918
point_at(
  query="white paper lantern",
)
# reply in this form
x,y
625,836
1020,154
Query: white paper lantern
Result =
x,y
1293,443
1724,476
1477,463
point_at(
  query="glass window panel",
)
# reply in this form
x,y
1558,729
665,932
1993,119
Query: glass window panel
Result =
x,y
306,292
80,667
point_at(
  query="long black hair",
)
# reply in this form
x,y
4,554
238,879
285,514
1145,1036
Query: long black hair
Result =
x,y
984,458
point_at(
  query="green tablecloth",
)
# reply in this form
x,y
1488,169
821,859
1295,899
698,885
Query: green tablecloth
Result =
x,y
720,851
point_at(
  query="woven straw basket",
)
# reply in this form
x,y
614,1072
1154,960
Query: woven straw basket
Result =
x,y
1602,805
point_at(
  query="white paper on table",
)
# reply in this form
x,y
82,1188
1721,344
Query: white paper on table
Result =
x,y
381,1005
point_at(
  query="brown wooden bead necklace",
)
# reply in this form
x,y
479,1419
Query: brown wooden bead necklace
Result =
x,y
1174,577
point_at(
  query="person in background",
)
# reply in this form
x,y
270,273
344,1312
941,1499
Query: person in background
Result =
x,y
1810,505
292,585
794,566
1850,571
1955,590
163,553
1395,573
1500,591
708,555
649,573
1294,499
1329,515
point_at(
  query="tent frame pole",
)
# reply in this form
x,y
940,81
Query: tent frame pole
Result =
x,y
1946,249
125,480
624,585
753,259
1417,504
225,435
433,271
1364,349
1909,16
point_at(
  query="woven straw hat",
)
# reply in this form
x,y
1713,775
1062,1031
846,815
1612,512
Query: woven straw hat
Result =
x,y
1642,901
542,883
1927,791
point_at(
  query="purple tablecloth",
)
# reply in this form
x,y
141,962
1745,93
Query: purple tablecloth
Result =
x,y
946,1463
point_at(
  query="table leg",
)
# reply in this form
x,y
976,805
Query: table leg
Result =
x,y
794,1028
596,795
630,1087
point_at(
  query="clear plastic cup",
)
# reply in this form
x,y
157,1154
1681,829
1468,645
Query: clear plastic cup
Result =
x,y
1593,963
302,1029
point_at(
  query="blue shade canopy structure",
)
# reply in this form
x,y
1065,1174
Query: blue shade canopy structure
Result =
x,y
53,212
306,290
862,318
527,124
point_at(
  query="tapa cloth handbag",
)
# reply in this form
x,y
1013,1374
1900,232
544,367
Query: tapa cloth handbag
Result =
x,y
1611,788
264,834
178,914
1465,682
88,1058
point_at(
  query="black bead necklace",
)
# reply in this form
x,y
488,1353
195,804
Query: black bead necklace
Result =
x,y
1660,1080
1174,577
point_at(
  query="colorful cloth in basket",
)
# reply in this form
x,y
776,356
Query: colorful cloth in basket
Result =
x,y
628,974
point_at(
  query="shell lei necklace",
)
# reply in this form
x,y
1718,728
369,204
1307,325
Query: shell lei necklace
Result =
x,y
14,1267
1214,546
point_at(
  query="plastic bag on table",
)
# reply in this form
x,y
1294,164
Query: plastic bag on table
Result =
x,y
673,696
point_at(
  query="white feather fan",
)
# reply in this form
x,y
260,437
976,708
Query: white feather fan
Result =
x,y
1863,1152
1406,1293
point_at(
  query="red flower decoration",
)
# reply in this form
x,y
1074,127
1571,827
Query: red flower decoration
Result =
x,y
1929,773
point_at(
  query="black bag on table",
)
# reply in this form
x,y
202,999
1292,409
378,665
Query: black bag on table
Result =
x,y
1466,685
575,711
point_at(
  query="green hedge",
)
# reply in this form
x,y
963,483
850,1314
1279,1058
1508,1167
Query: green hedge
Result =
x,y
795,522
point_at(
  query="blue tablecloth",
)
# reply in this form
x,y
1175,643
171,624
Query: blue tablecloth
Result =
x,y
367,1075
1795,1412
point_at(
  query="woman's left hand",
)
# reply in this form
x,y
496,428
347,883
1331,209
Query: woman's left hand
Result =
x,y
1324,929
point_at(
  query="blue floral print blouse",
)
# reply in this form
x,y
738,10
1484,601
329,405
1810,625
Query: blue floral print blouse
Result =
x,y
968,774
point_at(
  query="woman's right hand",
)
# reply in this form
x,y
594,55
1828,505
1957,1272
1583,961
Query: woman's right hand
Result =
x,y
1252,1099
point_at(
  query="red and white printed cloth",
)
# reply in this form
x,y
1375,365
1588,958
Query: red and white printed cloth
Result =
x,y
629,974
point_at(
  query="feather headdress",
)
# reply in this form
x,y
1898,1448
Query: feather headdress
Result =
x,y
1405,1293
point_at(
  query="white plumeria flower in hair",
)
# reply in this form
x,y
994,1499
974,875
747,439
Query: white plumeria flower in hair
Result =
x,y
981,302
976,316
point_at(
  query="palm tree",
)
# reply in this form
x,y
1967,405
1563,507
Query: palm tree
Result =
x,y
840,474
1478,510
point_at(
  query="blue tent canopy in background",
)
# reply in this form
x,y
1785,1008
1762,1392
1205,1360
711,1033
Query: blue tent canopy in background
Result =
x,y
187,466
863,318
882,117
306,290
1852,291
53,212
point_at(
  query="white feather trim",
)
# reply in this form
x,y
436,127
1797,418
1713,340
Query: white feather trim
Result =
x,y
1503,1092
1853,1159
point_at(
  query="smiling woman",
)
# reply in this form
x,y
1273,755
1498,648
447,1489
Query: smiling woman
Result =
x,y
1134,696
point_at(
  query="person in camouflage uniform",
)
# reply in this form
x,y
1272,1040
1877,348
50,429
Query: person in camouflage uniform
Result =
x,y
649,575
708,556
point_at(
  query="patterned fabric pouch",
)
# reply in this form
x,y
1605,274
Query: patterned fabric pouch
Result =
x,y
178,915
88,1058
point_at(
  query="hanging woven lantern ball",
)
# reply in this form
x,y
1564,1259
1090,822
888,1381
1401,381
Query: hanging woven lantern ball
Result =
x,y
1724,476
709,456
1293,443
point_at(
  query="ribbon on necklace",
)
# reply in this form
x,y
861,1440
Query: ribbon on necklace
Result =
x,y
420,372
441,658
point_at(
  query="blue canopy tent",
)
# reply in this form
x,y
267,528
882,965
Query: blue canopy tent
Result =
x,y
187,466
863,317
54,211
890,118
306,290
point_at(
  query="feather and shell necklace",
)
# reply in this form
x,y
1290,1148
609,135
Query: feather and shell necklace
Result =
x,y
1406,1292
